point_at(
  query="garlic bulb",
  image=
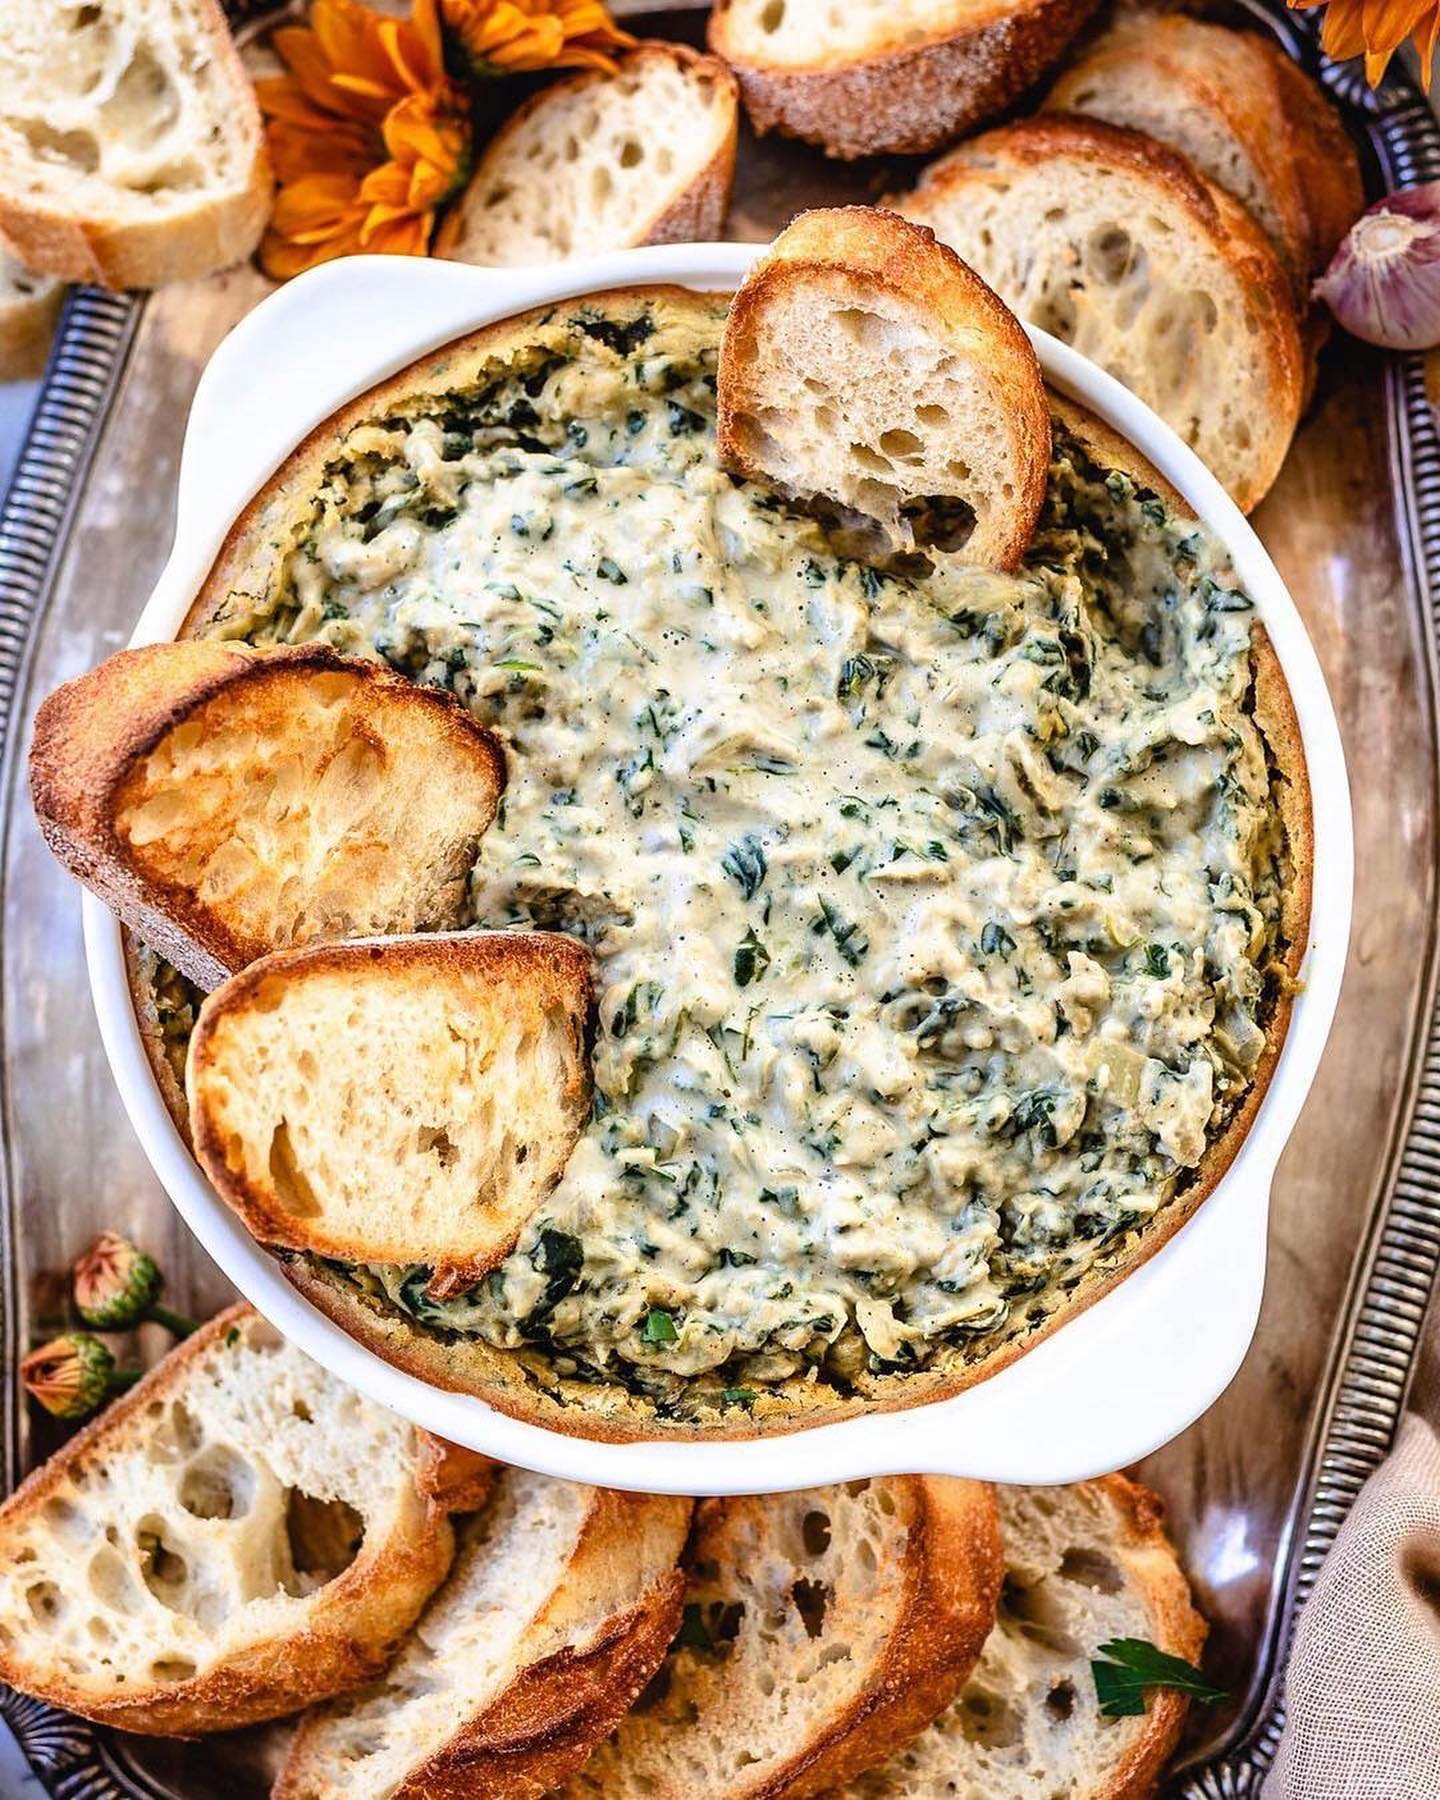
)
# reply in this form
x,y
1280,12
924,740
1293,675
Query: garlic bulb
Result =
x,y
1383,283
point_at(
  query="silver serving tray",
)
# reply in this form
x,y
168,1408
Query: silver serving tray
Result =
x,y
1258,1488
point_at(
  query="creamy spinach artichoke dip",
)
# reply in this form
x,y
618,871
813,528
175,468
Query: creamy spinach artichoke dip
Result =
x,y
935,916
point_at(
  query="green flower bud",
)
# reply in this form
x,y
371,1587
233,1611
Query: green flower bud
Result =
x,y
69,1376
116,1284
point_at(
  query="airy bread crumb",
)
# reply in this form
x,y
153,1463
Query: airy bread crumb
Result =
x,y
822,1630
395,1100
562,1601
131,147
1084,1564
865,365
604,162
238,1535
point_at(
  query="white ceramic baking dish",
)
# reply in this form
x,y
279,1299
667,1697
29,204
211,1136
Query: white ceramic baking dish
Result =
x,y
1114,1383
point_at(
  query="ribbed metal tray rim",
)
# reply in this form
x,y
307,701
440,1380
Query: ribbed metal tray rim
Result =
x,y
1376,1349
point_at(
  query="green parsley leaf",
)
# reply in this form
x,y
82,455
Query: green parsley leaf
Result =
x,y
752,959
744,862
1135,1665
850,940
659,1327
995,940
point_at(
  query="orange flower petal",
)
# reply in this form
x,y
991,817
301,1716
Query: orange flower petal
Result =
x,y
1342,35
1375,29
425,22
300,147
535,34
280,258
367,132
581,56
316,206
310,68
1387,23
350,38
282,97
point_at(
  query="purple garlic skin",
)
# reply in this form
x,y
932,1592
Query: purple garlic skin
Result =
x,y
1383,283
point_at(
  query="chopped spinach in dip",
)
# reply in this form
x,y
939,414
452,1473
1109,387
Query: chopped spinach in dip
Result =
x,y
931,913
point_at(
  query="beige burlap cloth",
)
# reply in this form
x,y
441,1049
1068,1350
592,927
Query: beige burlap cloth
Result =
x,y
1362,1689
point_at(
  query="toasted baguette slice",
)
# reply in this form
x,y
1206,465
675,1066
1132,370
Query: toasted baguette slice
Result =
x,y
395,1100
29,307
1227,100
1083,1564
1116,245
226,803
865,365
604,162
238,1536
131,148
561,1604
888,75
822,1630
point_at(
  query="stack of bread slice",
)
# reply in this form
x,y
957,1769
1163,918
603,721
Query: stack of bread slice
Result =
x,y
1165,215
1114,243
236,807
1244,113
562,1602
242,1537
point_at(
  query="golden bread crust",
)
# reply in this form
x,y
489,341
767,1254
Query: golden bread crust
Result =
x,y
954,1563
541,980
549,1717
847,254
1178,1629
91,774
349,1636
904,99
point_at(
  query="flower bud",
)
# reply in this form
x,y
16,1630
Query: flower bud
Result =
x,y
116,1284
69,1376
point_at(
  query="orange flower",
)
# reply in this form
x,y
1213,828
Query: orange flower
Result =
x,y
1375,29
367,133
429,153
502,37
